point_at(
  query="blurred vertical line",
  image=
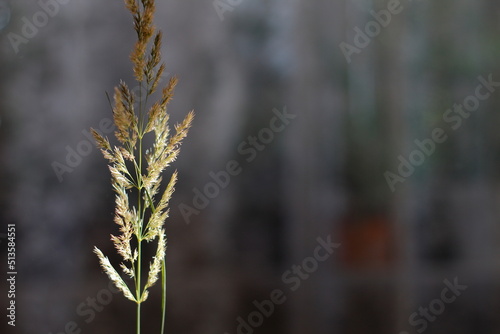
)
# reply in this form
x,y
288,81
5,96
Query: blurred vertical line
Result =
x,y
360,73
399,101
409,103
473,192
314,155
301,164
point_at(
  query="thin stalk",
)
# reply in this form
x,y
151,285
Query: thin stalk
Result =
x,y
138,318
164,295
138,288
141,210
139,126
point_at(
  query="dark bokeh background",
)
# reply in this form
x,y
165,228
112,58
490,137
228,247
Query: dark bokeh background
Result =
x,y
323,175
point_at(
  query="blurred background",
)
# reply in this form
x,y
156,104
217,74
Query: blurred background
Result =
x,y
388,145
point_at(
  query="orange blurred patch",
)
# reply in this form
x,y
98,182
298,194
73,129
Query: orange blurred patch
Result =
x,y
367,243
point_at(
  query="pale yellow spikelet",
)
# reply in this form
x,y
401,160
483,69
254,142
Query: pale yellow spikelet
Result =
x,y
168,154
122,120
153,111
127,270
152,63
155,223
153,189
120,170
124,115
158,117
183,128
136,223
119,178
132,6
163,153
147,20
168,91
155,266
143,25
158,75
160,212
103,144
122,205
144,296
120,162
167,194
175,141
138,60
122,242
127,154
113,275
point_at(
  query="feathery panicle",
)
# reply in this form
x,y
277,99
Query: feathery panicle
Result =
x,y
160,212
137,58
157,116
166,150
119,178
122,244
154,112
168,93
127,154
128,162
124,115
103,144
113,275
153,78
157,78
132,6
151,193
129,272
182,130
144,296
122,204
155,266
143,25
167,194
155,224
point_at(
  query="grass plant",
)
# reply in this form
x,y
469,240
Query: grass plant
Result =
x,y
136,173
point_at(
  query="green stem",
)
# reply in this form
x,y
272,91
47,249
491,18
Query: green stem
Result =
x,y
164,295
141,208
139,318
138,286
